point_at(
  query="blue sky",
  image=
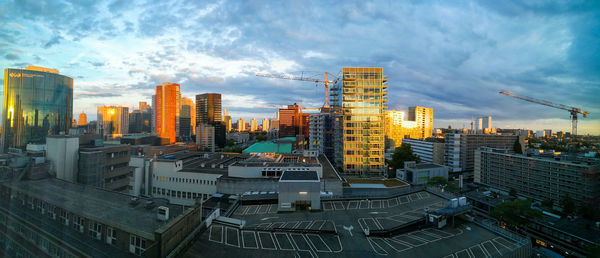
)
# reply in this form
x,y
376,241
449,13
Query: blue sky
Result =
x,y
453,56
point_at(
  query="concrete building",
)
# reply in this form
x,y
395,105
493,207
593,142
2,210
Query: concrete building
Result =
x,y
55,218
424,119
105,166
37,102
419,174
62,152
459,148
82,119
359,99
168,110
299,190
427,151
241,125
208,111
113,121
321,133
153,119
483,125
185,128
538,177
192,112
205,137
253,125
265,125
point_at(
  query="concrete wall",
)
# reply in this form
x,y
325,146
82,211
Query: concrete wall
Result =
x,y
230,185
256,171
63,153
167,175
290,192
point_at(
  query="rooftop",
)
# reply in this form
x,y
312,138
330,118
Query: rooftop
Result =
x,y
294,175
270,146
106,207
427,166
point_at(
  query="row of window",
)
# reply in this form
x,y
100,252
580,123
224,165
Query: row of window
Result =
x,y
184,180
178,194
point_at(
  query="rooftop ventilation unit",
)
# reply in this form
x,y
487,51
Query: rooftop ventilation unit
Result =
x,y
162,213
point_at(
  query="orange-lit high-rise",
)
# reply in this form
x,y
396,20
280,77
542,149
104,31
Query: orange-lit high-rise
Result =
x,y
168,108
82,119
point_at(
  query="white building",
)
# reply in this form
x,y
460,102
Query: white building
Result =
x,y
483,124
428,152
265,125
63,152
253,125
299,189
270,165
319,125
205,137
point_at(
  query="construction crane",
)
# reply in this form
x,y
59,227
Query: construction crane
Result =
x,y
302,77
572,110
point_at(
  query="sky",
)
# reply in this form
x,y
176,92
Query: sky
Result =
x,y
452,56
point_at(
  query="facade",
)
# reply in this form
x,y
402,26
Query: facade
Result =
x,y
185,128
419,174
459,149
205,137
427,151
483,124
82,119
265,125
424,118
153,119
253,125
105,166
289,121
37,102
241,125
208,111
168,110
538,177
321,133
299,189
143,106
95,222
192,113
135,122
62,152
113,121
360,97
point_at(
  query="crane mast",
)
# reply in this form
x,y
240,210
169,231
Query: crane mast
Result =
x,y
573,111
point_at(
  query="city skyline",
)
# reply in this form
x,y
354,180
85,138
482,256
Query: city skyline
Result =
x,y
454,61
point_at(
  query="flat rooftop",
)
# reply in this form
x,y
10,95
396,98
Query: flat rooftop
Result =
x,y
427,166
348,219
294,175
107,207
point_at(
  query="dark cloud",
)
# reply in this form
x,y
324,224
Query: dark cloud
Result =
x,y
12,56
53,41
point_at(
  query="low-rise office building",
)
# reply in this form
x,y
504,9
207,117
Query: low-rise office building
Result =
x,y
299,190
427,151
538,177
419,174
55,218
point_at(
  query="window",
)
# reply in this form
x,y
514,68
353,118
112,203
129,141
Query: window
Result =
x,y
137,245
51,211
64,217
78,223
95,230
111,236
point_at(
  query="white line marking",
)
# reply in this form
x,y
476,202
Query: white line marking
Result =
x,y
279,244
371,243
244,242
236,235
478,246
497,250
270,236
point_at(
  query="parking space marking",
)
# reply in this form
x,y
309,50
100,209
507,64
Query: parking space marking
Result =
x,y
424,236
263,225
383,252
353,205
449,256
245,234
327,206
376,204
370,223
240,210
398,245
339,206
299,238
272,208
461,254
262,209
403,199
410,240
302,254
437,233
477,251
509,244
252,209
260,239
317,224
285,240
277,224
303,224
392,202
291,224
319,241
218,232
490,248
232,234
364,204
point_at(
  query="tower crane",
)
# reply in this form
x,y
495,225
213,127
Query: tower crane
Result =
x,y
572,110
302,77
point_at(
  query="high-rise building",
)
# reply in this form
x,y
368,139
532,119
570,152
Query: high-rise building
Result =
x,y
143,106
205,137
135,122
359,99
168,110
82,119
265,125
185,128
208,111
192,113
393,129
113,121
538,177
253,125
153,119
241,125
424,118
483,124
37,102
321,133
290,119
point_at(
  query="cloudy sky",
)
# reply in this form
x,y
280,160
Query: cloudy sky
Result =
x,y
453,56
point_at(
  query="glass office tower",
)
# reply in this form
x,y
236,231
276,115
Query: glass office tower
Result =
x,y
37,102
359,99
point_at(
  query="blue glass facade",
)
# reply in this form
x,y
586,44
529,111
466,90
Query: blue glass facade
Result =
x,y
35,104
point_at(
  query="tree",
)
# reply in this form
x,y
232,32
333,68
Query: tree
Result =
x,y
261,138
517,147
515,213
402,154
230,142
568,204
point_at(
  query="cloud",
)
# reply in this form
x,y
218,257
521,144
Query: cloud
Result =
x,y
12,56
53,41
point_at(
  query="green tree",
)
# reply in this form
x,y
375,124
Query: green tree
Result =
x,y
568,204
517,147
402,154
230,142
515,213
261,138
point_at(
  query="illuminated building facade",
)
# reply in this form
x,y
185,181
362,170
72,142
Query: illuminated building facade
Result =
x,y
82,119
189,103
419,125
253,125
168,109
113,121
424,119
208,111
37,102
359,99
265,125
241,124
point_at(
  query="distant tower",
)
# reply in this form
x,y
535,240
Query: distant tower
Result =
x,y
82,119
